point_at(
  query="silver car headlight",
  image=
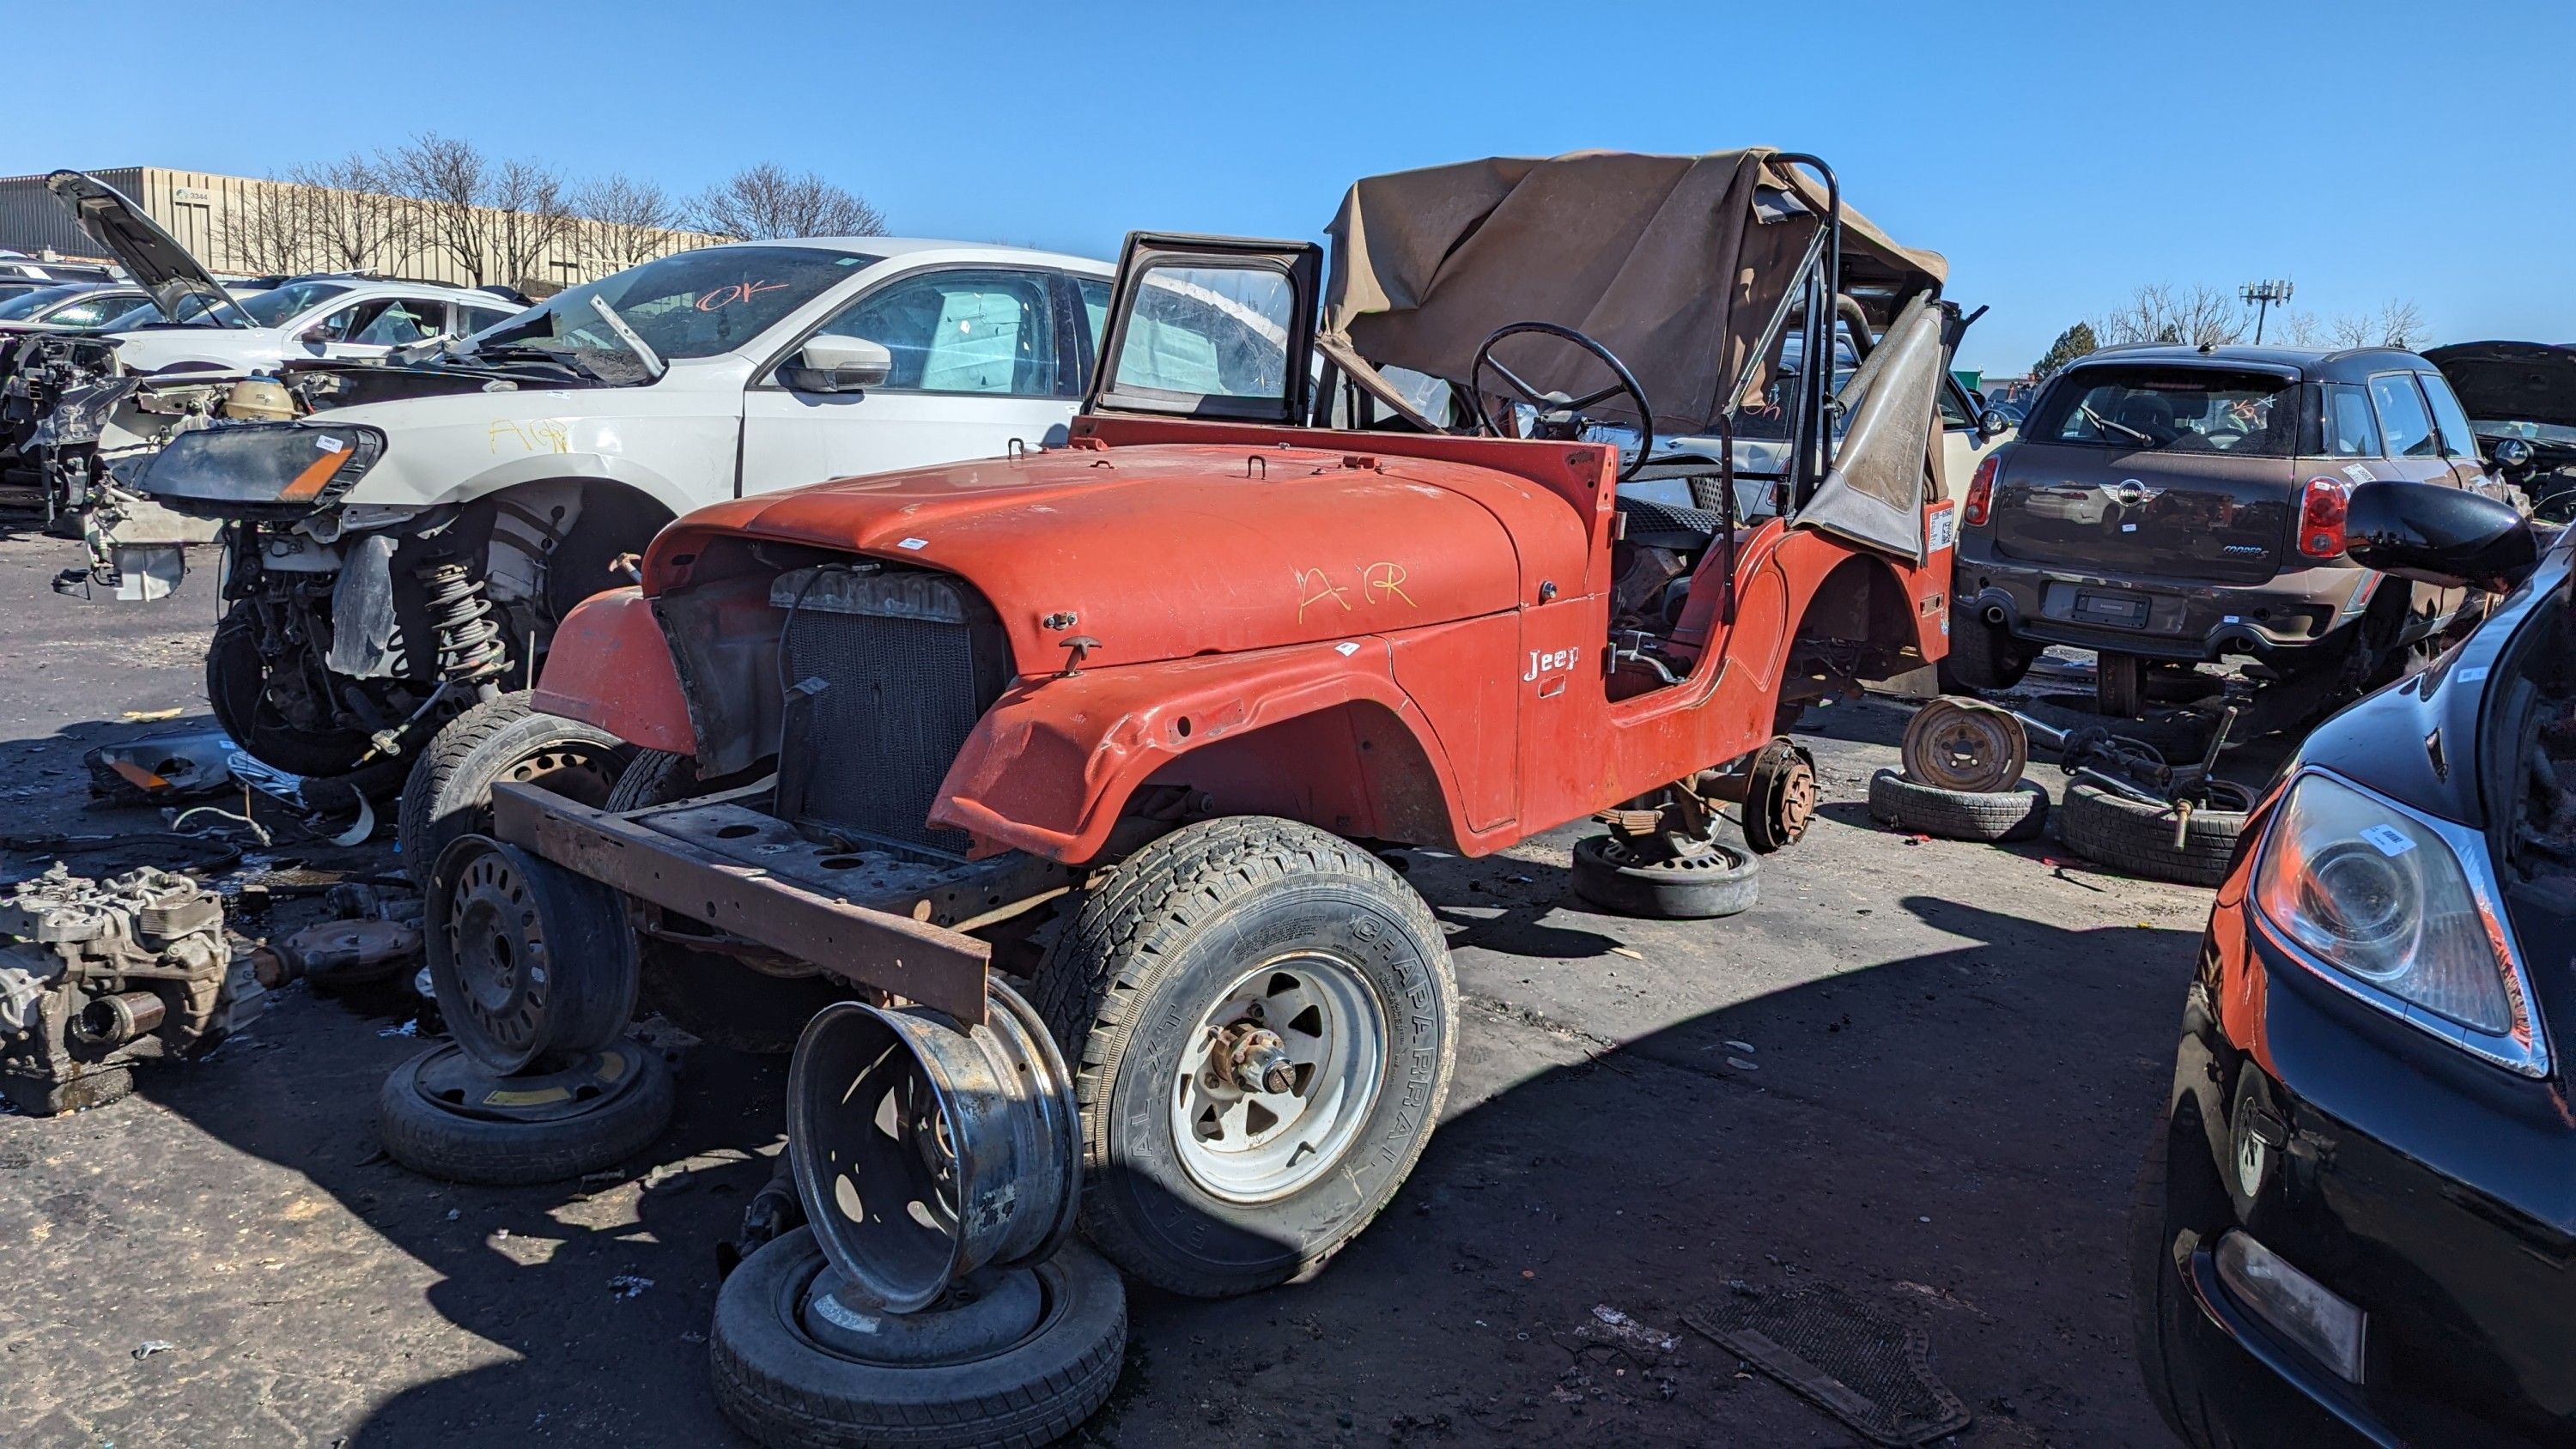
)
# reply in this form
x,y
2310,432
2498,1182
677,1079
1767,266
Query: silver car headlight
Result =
x,y
2400,908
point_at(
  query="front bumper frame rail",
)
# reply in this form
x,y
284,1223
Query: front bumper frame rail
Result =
x,y
866,916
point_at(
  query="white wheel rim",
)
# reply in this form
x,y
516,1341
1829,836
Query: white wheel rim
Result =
x,y
1254,1146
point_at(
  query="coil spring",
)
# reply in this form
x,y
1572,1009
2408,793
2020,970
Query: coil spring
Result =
x,y
470,646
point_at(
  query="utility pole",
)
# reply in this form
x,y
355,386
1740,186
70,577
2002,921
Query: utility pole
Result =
x,y
2260,296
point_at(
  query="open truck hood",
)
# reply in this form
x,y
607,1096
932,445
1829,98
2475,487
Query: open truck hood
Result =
x,y
2511,382
1163,551
151,256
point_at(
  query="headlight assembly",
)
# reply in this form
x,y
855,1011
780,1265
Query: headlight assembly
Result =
x,y
260,470
2395,906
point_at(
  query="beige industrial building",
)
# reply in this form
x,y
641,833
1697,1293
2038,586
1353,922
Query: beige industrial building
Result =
x,y
242,226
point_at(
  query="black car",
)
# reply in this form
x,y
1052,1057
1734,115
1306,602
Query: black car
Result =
x,y
2358,1221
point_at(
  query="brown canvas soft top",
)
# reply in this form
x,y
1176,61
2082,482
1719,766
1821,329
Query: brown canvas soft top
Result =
x,y
1674,263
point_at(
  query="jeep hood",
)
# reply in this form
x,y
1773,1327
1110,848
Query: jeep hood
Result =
x,y
151,256
2511,382
1160,552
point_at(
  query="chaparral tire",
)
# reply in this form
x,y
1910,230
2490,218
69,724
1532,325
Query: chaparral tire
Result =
x,y
442,1117
236,682
1981,657
2019,813
1223,932
789,1389
1722,882
2136,838
449,791
713,996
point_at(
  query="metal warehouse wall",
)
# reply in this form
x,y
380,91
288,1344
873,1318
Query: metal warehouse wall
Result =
x,y
32,221
205,212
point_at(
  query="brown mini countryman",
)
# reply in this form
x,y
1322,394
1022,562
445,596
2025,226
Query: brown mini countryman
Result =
x,y
2169,505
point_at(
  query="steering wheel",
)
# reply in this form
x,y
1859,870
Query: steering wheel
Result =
x,y
1561,415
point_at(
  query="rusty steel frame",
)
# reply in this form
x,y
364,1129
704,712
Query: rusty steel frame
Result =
x,y
694,872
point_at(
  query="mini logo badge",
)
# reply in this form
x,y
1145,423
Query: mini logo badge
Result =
x,y
2131,492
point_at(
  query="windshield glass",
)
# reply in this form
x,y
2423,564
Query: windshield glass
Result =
x,y
27,304
276,307
695,304
2528,432
2172,410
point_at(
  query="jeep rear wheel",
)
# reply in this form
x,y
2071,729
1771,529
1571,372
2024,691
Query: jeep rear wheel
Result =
x,y
1263,1018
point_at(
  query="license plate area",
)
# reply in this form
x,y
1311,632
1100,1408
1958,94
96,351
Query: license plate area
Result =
x,y
2098,606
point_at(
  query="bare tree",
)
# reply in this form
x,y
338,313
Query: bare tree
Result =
x,y
446,179
271,228
2199,316
525,212
764,201
356,221
2401,324
2301,329
630,220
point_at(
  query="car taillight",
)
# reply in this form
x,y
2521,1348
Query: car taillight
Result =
x,y
2321,517
1981,491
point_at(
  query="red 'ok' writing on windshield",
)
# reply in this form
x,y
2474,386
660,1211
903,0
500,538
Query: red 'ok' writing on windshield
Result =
x,y
726,296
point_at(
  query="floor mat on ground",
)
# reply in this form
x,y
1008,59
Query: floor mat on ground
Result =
x,y
1872,1373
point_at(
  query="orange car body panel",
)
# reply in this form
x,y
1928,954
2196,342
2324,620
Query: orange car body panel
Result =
x,y
610,666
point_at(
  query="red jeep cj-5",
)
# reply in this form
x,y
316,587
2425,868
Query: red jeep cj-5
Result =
x,y
1546,504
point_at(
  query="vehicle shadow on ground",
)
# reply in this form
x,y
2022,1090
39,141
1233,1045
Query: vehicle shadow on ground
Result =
x,y
1975,1189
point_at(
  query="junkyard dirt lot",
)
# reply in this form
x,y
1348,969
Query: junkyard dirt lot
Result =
x,y
1917,1072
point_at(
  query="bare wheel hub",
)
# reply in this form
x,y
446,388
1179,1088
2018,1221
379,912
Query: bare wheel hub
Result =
x,y
1279,1076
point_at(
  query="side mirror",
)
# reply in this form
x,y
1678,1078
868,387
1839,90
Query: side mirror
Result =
x,y
314,336
838,364
2512,452
1993,424
2447,537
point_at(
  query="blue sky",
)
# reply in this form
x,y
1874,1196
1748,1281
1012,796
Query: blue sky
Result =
x,y
2060,155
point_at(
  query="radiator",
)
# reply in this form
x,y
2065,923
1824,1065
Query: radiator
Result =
x,y
886,674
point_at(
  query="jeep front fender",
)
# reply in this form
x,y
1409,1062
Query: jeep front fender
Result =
x,y
611,667
1051,766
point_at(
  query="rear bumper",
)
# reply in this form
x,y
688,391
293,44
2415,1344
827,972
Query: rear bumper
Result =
x,y
2178,619
865,915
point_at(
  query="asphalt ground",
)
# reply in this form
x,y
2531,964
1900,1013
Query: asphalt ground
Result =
x,y
1918,1073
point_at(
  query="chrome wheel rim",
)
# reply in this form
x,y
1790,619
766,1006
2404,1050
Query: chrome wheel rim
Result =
x,y
1256,1118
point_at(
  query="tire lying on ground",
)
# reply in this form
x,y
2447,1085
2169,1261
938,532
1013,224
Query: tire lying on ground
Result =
x,y
2136,838
1723,882
790,1389
2019,813
449,790
1212,937
443,1117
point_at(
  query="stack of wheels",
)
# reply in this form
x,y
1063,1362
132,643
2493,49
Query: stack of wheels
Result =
x,y
2137,838
1962,778
935,1297
534,971
1253,1023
